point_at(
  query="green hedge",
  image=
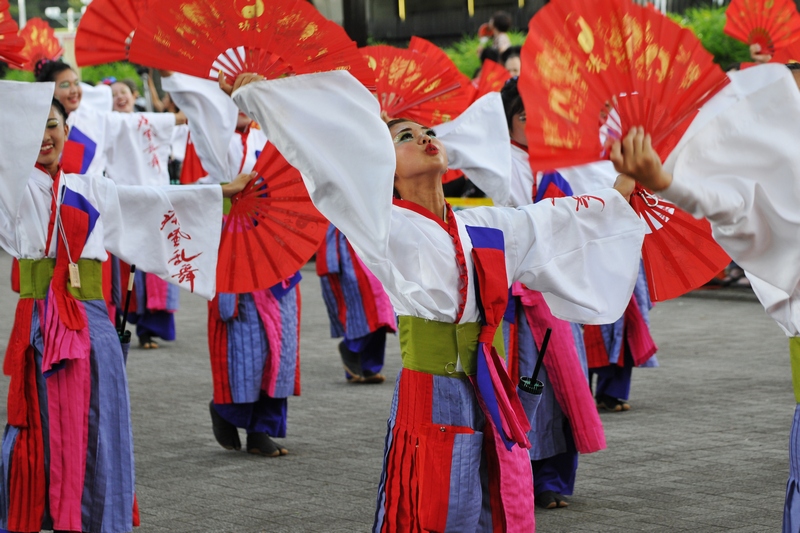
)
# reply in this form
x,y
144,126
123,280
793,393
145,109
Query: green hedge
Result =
x,y
464,52
707,24
93,75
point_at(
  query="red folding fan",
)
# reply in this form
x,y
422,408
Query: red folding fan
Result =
x,y
773,24
11,43
106,29
787,54
492,79
594,70
274,38
679,252
417,86
40,43
272,229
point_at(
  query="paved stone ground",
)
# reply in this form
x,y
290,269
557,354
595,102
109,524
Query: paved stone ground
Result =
x,y
704,448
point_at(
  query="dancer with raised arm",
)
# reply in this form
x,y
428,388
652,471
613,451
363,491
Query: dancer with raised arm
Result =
x,y
456,444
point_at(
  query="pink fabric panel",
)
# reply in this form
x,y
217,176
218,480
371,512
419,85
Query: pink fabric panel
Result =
x,y
68,392
382,303
641,343
515,481
270,312
565,373
156,293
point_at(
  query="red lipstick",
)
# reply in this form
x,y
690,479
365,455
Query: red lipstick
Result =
x,y
430,149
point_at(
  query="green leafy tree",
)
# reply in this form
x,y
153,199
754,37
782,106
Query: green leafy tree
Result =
x,y
707,24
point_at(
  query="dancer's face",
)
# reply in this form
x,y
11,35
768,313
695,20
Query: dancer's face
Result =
x,y
518,128
419,152
124,99
68,90
55,134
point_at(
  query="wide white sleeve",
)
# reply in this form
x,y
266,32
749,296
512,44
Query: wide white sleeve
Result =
x,y
478,144
212,121
26,107
741,170
172,231
581,252
328,126
99,97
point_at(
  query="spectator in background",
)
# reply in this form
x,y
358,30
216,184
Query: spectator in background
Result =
x,y
124,92
496,29
510,59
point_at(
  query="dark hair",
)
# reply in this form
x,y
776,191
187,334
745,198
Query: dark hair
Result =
x,y
512,101
490,53
46,70
736,65
511,51
396,121
130,83
60,108
793,65
501,21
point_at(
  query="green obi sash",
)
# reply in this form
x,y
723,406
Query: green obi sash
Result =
x,y
35,276
435,347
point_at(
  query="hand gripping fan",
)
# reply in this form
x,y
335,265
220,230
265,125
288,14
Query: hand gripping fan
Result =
x,y
11,43
274,38
272,229
106,29
413,85
40,43
679,252
773,24
593,70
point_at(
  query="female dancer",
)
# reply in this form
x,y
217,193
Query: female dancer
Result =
x,y
455,456
253,338
68,446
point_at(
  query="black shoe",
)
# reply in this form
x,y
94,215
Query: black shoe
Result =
x,y
227,434
352,363
262,444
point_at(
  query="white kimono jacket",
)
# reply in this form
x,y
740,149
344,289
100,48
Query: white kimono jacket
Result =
x,y
738,165
172,232
212,116
327,125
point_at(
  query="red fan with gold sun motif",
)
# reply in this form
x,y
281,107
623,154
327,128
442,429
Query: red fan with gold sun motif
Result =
x,y
40,43
272,230
273,38
421,87
593,71
11,43
106,29
772,24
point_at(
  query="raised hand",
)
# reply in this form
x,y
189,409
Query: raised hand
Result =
x,y
635,157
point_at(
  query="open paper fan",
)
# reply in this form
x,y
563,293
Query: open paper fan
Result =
x,y
492,79
593,70
788,54
679,252
40,43
273,38
272,229
773,24
105,30
417,86
11,43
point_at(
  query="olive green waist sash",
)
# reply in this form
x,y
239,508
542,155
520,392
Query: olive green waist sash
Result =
x,y
437,347
35,276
